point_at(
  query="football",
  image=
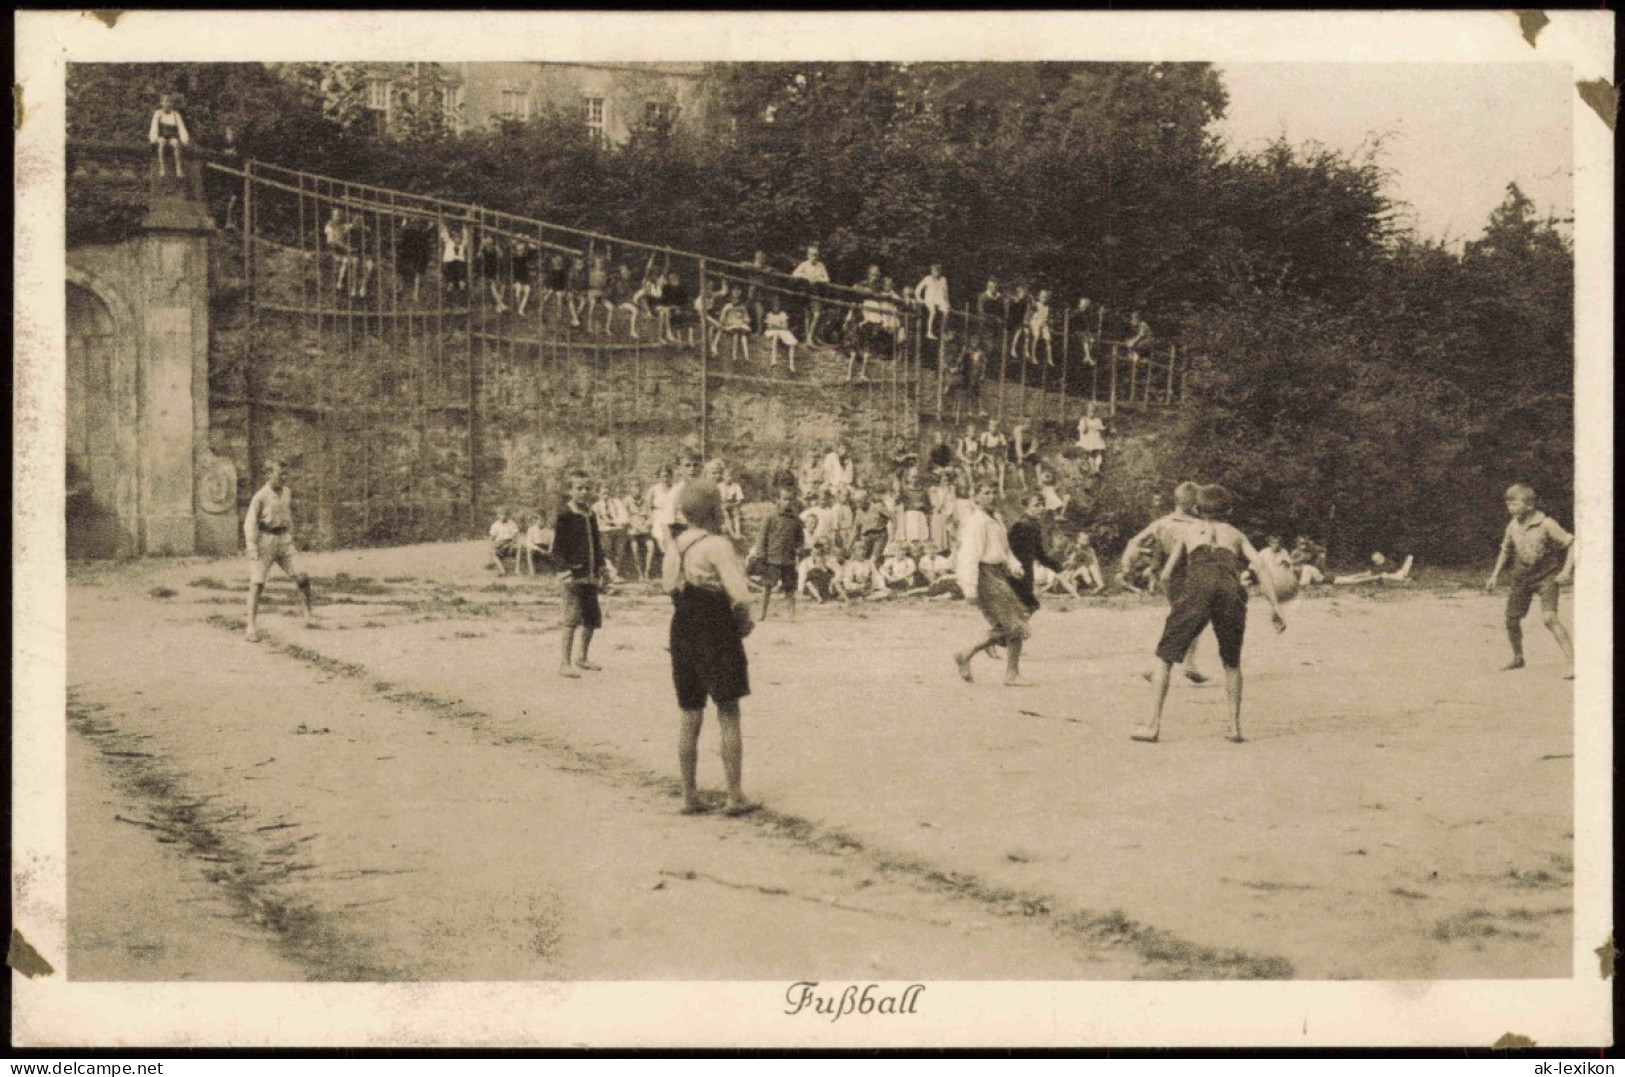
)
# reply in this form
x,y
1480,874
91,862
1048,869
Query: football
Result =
x,y
1285,578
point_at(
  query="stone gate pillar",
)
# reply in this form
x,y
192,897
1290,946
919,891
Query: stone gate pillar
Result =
x,y
172,298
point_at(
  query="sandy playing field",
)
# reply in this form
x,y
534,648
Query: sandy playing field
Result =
x,y
408,790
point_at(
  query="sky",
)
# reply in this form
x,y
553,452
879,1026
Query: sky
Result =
x,y
1459,132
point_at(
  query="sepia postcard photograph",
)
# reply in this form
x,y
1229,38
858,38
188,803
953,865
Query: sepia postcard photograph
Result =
x,y
844,530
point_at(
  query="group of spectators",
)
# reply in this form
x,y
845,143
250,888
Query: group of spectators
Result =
x,y
737,306
840,533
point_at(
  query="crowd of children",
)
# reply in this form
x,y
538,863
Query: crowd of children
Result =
x,y
829,539
736,312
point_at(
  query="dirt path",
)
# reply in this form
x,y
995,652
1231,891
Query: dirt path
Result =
x,y
360,838
142,909
1401,812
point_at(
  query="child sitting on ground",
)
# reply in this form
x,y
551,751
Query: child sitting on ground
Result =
x,y
504,540
1083,565
535,543
815,575
1309,558
901,574
858,578
870,522
1139,573
1379,572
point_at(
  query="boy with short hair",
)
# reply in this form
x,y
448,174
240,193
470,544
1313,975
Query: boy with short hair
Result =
x,y
1542,557
612,516
1027,544
534,544
781,540
986,568
932,293
813,274
1158,541
733,501
1083,564
815,575
578,546
504,540
168,129
268,534
1308,560
575,289
859,578
871,522
1212,555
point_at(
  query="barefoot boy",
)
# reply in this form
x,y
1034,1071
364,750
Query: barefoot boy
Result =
x,y
985,569
1212,554
1160,538
781,540
1542,556
268,533
578,546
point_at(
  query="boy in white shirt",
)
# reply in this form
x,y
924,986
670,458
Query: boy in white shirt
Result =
x,y
168,129
504,540
1038,331
815,273
858,579
984,570
733,499
932,293
817,573
535,543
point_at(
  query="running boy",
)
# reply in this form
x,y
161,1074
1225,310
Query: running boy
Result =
x,y
985,570
578,546
1027,544
1212,555
1542,556
1159,540
268,532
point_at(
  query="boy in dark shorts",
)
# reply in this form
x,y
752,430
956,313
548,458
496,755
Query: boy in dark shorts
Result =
x,y
1542,556
1027,543
782,538
1157,541
987,569
710,620
578,546
1212,556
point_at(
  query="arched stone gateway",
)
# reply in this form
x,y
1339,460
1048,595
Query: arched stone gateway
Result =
x,y
140,479
102,506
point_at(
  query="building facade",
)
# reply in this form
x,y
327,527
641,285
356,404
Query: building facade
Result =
x,y
612,100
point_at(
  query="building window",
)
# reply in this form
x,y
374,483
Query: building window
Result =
x,y
596,108
451,108
658,113
378,95
515,105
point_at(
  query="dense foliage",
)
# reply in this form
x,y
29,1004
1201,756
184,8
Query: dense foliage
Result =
x,y
1352,381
